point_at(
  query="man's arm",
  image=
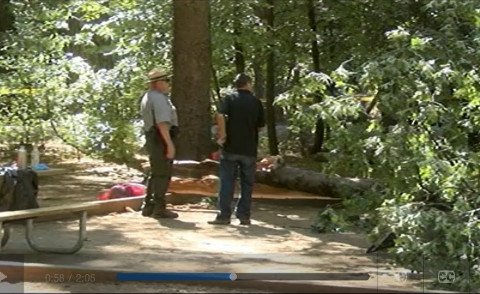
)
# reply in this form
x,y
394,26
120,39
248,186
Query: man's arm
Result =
x,y
222,133
223,109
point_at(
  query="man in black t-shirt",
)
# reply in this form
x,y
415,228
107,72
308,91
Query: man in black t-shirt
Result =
x,y
239,117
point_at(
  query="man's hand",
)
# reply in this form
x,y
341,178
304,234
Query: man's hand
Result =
x,y
170,151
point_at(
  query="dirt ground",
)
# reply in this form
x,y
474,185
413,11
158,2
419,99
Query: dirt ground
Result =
x,y
279,240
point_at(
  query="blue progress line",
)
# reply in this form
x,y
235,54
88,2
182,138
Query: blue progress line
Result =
x,y
141,277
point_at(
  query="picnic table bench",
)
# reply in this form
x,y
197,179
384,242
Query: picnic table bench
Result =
x,y
29,215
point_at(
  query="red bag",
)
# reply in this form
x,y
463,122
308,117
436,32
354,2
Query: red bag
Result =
x,y
123,191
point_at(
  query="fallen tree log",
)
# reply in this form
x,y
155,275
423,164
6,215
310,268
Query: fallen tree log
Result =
x,y
209,186
273,171
313,182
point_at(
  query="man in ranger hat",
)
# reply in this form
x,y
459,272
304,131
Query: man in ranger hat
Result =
x,y
160,127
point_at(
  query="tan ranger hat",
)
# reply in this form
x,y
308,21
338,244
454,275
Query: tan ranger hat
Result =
x,y
157,75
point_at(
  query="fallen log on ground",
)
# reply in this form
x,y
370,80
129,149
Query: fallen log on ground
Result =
x,y
273,171
209,186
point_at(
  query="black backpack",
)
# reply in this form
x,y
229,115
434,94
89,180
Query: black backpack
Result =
x,y
18,190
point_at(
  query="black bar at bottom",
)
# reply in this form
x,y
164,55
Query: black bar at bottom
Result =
x,y
303,276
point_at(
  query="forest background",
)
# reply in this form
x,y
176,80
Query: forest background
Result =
x,y
385,90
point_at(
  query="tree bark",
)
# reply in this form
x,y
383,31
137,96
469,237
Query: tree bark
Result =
x,y
270,88
191,77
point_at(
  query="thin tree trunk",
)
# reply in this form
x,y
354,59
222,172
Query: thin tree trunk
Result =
x,y
259,79
259,59
270,89
312,19
319,125
7,23
239,58
239,52
191,77
7,18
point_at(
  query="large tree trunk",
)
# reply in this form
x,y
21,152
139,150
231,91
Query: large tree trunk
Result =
x,y
270,91
191,77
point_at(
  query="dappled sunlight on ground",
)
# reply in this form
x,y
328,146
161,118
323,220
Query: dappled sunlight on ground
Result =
x,y
280,238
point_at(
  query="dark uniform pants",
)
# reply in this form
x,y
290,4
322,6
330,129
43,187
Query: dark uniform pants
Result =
x,y
160,169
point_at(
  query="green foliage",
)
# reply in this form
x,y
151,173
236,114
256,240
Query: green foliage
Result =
x,y
78,66
80,69
427,83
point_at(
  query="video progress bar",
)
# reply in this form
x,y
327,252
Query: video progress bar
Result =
x,y
143,277
304,276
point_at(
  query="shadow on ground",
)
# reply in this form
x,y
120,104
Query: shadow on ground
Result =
x,y
279,240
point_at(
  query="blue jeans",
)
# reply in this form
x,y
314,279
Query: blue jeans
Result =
x,y
230,164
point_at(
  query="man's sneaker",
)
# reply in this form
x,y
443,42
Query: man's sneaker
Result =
x,y
164,213
245,222
220,221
